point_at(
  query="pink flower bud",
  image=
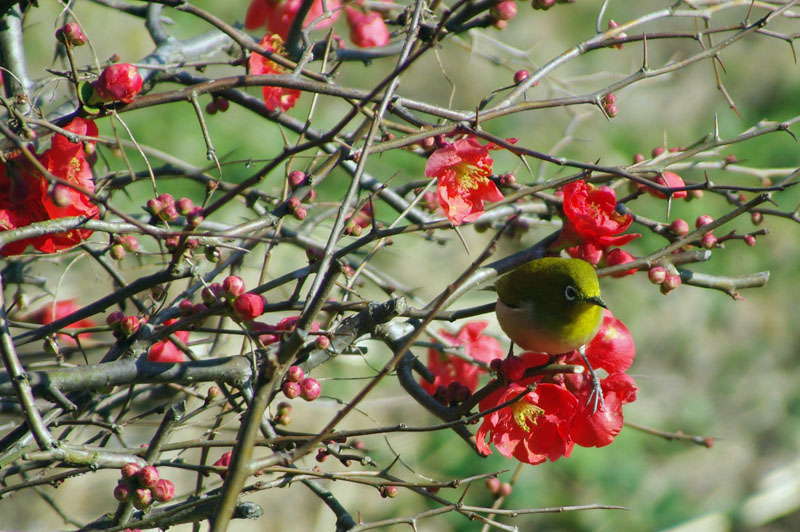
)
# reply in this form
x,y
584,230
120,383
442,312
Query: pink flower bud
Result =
x,y
122,491
120,82
638,158
130,470
148,476
388,492
505,489
195,217
520,76
504,10
672,282
657,151
117,252
668,179
130,243
72,34
142,498
323,342
297,178
756,218
295,374
224,461
493,485
164,490
310,388
657,274
508,180
185,307
291,389
367,29
703,219
184,206
233,285
679,227
248,306
708,240
301,213
750,240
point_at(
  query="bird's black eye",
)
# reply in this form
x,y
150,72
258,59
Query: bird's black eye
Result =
x,y
571,293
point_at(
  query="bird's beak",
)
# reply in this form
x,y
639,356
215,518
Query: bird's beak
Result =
x,y
596,301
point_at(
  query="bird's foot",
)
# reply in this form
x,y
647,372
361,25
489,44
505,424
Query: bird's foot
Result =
x,y
596,395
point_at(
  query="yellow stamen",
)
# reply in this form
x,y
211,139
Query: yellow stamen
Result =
x,y
525,414
469,176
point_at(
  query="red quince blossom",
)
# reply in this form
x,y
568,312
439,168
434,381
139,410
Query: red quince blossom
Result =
x,y
367,28
165,350
591,216
533,429
57,310
463,168
120,82
278,15
274,97
598,428
612,348
27,197
447,369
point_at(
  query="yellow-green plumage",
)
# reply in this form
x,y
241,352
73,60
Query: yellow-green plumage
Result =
x,y
550,305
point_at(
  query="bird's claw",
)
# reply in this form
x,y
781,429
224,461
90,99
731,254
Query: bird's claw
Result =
x,y
596,395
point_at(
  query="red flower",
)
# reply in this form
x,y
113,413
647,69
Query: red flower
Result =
x,y
620,256
447,369
592,216
248,306
463,168
367,28
57,310
612,348
274,97
533,429
26,196
278,15
165,350
598,428
120,82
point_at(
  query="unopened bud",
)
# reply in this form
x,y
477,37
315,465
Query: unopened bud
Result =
x,y
679,227
310,389
657,274
703,219
71,34
750,240
520,76
708,240
672,282
291,389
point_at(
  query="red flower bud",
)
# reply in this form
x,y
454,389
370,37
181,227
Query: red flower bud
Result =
x,y
657,151
310,388
248,306
184,206
504,10
512,368
120,82
114,318
130,470
122,491
142,498
657,274
638,158
185,307
291,389
301,213
679,226
72,34
297,178
130,243
388,491
117,252
212,293
148,476
708,240
493,485
323,342
295,374
233,286
703,219
672,282
505,489
195,217
750,240
620,256
520,76
221,104
224,461
164,490
129,325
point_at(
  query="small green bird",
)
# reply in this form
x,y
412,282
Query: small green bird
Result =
x,y
550,305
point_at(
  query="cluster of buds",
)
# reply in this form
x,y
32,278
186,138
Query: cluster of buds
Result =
x,y
295,206
246,306
123,244
187,308
164,207
453,394
71,34
143,485
217,104
610,104
296,384
124,326
497,488
708,240
508,369
668,280
118,83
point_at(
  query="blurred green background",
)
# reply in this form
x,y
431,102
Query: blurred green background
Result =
x,y
706,364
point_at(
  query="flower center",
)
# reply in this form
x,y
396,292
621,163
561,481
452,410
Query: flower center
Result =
x,y
525,414
469,176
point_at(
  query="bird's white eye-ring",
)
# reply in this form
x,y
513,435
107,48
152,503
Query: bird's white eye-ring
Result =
x,y
571,293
